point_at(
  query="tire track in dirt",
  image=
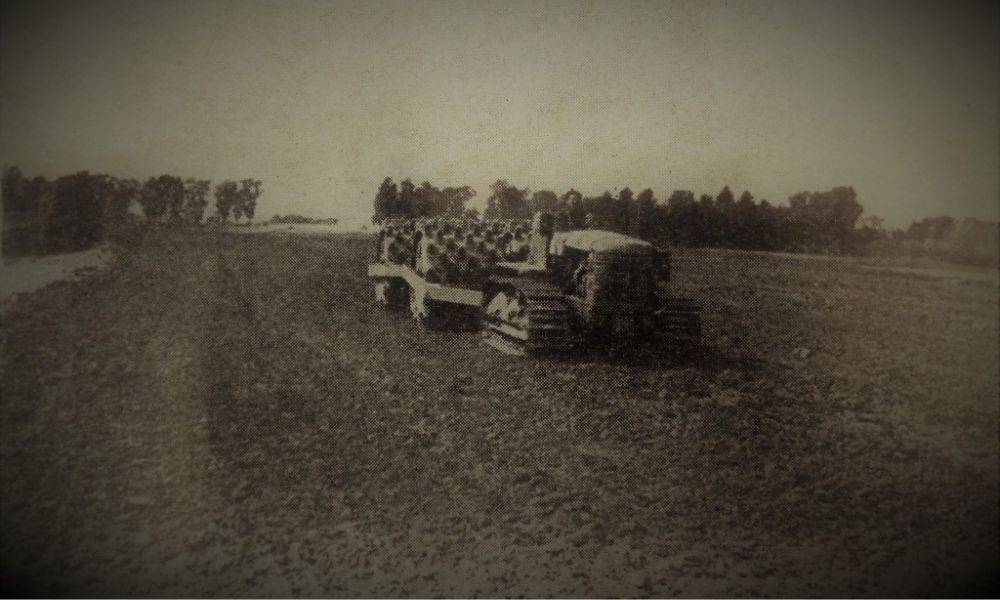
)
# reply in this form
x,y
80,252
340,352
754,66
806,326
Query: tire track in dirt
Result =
x,y
117,442
186,519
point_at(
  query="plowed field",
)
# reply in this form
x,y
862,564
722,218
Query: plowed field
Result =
x,y
231,415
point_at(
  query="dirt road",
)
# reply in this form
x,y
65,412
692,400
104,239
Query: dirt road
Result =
x,y
26,274
231,416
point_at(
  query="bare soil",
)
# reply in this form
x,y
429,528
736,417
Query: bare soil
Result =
x,y
21,275
231,415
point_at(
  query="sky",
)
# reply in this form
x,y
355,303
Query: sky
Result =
x,y
322,100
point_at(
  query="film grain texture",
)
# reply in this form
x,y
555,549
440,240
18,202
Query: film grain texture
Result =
x,y
521,299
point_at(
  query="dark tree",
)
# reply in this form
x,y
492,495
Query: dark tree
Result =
x,y
424,201
455,199
601,212
25,204
386,201
154,204
246,198
121,195
745,222
172,189
931,228
507,202
572,203
627,222
724,229
162,198
705,230
225,199
427,200
645,214
407,199
195,199
823,221
681,224
544,200
75,218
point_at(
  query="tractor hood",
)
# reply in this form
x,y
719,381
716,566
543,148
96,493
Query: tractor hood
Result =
x,y
601,242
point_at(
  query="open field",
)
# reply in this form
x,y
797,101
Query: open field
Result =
x,y
26,274
230,414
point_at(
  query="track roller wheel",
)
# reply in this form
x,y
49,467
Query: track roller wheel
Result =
x,y
392,294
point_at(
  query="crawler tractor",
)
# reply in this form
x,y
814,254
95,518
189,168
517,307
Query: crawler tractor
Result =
x,y
531,289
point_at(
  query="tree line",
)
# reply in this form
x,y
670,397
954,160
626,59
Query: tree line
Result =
x,y
823,222
812,221
969,241
73,212
408,200
301,220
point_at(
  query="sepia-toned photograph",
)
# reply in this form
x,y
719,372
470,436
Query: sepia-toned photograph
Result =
x,y
526,299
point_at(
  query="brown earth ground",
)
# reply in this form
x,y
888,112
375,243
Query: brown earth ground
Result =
x,y
231,415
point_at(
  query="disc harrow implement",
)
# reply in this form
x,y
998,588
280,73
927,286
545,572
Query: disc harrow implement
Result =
x,y
530,289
